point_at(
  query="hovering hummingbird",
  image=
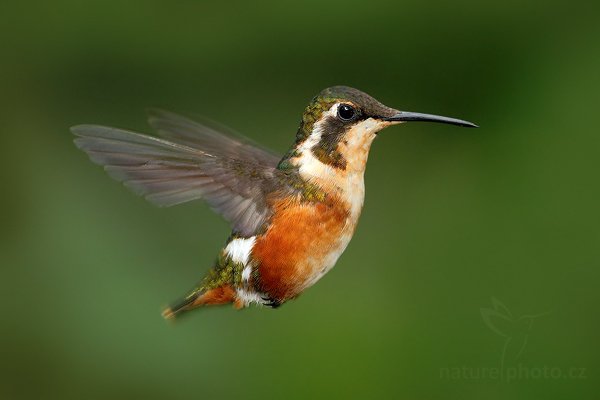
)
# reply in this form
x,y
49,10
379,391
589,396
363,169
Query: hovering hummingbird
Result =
x,y
291,216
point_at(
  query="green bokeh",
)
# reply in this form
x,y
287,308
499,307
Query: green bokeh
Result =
x,y
453,217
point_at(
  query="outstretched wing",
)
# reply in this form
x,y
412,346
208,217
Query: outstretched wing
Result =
x,y
210,137
167,172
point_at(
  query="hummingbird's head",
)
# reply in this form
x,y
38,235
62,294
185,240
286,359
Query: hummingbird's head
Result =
x,y
340,123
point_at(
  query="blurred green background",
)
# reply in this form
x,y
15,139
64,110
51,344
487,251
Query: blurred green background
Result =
x,y
453,217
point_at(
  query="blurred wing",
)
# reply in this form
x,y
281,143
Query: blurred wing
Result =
x,y
210,137
168,173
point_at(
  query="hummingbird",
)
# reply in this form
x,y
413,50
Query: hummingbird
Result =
x,y
292,216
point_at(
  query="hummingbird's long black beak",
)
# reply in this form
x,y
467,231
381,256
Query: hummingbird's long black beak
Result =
x,y
406,116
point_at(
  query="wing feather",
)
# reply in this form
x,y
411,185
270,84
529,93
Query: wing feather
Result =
x,y
209,136
191,161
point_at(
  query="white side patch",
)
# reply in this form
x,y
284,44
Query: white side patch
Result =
x,y
239,250
246,273
248,297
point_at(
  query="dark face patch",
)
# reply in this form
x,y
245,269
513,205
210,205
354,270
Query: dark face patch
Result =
x,y
334,128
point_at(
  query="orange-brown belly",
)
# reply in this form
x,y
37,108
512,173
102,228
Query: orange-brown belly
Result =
x,y
303,242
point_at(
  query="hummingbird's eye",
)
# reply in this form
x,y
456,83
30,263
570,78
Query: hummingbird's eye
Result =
x,y
346,112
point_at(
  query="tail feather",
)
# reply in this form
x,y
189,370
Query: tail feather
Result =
x,y
179,307
197,298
